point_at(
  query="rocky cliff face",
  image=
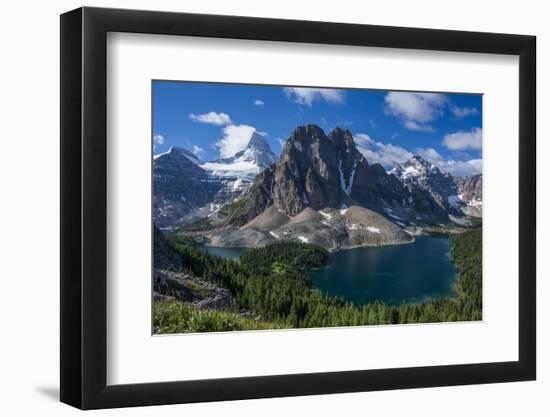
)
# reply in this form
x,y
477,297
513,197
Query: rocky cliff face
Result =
x,y
469,192
315,170
320,171
424,180
179,187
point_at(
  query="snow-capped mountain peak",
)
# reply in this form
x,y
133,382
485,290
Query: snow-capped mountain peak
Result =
x,y
413,168
246,163
257,151
176,151
237,173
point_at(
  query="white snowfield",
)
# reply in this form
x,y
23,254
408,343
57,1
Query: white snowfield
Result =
x,y
303,239
239,169
410,172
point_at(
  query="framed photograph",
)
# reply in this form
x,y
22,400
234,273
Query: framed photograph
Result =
x,y
257,208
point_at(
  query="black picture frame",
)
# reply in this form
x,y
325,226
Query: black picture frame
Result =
x,y
84,207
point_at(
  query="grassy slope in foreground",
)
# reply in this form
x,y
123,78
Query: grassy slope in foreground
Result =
x,y
178,317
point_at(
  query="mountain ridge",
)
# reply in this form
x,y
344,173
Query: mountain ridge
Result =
x,y
223,181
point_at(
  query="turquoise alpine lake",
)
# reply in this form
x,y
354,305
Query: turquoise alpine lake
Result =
x,y
228,253
410,273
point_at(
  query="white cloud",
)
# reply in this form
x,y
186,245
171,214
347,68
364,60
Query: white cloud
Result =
x,y
457,168
461,112
307,96
158,139
212,118
235,138
464,140
416,126
388,155
258,102
385,154
416,110
197,150
431,155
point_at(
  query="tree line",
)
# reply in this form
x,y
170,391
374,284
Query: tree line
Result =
x,y
274,283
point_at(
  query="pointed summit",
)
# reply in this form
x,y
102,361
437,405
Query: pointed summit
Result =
x,y
257,140
257,152
415,167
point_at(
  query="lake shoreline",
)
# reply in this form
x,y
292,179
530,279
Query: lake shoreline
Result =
x,y
399,279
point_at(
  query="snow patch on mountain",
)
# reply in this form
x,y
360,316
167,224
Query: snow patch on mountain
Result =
x,y
346,187
240,169
244,164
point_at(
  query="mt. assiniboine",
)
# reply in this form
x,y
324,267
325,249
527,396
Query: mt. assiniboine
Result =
x,y
321,189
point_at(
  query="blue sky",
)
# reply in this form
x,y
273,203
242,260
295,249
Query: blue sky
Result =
x,y
214,119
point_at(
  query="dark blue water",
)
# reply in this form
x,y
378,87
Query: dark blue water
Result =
x,y
228,253
413,272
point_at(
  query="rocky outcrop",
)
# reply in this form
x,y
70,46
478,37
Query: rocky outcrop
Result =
x,y
186,288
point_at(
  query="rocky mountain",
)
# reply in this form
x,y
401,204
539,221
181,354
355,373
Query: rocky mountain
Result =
x,y
180,187
186,188
236,174
327,171
322,190
417,173
470,194
455,195
423,173
257,152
